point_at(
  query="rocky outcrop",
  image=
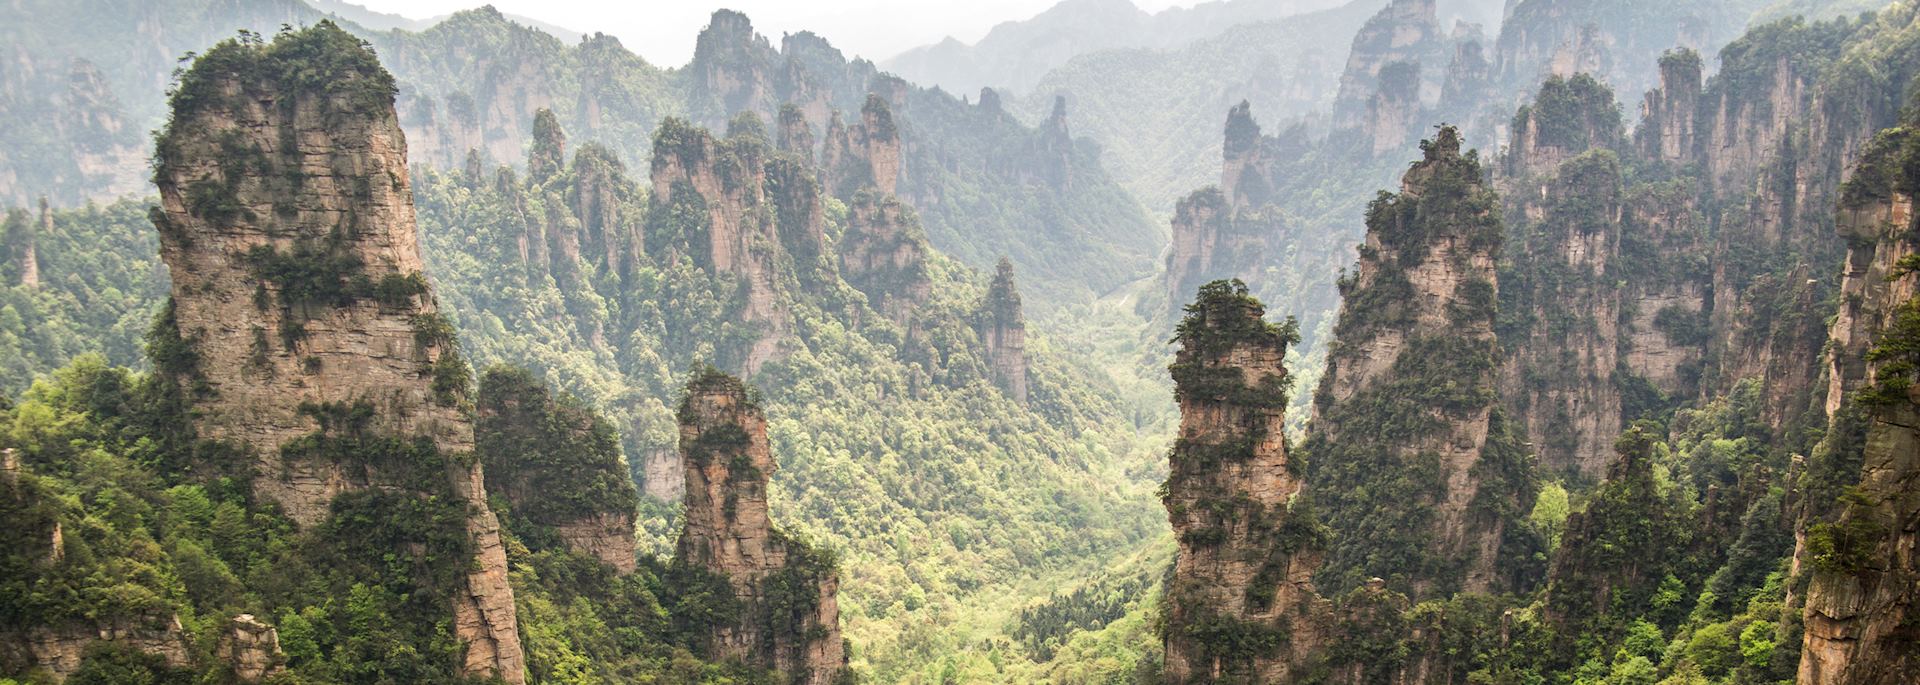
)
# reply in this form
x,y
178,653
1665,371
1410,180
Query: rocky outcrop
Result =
x,y
1056,147
865,154
664,477
1240,604
712,203
786,591
547,152
1004,330
1404,31
1864,598
557,463
795,135
884,254
1409,456
1394,107
61,649
1568,116
1667,113
286,222
250,649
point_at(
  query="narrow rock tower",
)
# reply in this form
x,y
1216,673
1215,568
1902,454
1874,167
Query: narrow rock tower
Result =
x,y
1409,457
1004,329
1863,602
785,591
304,321
1240,606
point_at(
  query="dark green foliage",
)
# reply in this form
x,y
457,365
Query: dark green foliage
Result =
x,y
555,458
1044,627
1618,555
1573,114
110,663
319,61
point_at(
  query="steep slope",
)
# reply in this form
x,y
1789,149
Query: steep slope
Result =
x,y
1412,461
785,607
1154,112
1860,604
1240,605
270,220
737,255
476,80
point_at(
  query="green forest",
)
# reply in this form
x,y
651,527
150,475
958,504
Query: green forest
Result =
x,y
1578,347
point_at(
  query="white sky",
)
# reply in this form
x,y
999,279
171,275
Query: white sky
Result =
x,y
663,31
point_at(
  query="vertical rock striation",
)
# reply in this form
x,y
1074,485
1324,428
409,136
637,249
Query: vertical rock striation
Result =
x,y
1667,113
865,154
1004,330
1863,603
786,614
1414,466
286,221
1240,605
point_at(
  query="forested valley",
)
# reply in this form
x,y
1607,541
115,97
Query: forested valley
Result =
x,y
1246,341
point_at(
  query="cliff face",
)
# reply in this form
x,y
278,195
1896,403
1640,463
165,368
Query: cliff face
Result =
x,y
1405,31
865,154
286,221
1668,113
1864,598
884,254
785,592
558,463
1240,605
1238,231
1004,330
711,203
1409,456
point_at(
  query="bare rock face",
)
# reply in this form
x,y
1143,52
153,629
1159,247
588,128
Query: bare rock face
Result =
x,y
251,649
1394,107
865,154
1404,31
1667,113
1240,605
711,202
884,254
287,223
1408,443
728,533
665,477
60,649
1004,330
1864,598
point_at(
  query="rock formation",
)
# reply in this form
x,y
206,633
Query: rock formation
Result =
x,y
1864,598
712,203
1404,31
1568,116
785,592
795,134
1004,330
1667,113
1240,605
1056,147
1394,107
547,153
884,254
1410,457
865,154
558,463
287,224
250,649
1237,231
